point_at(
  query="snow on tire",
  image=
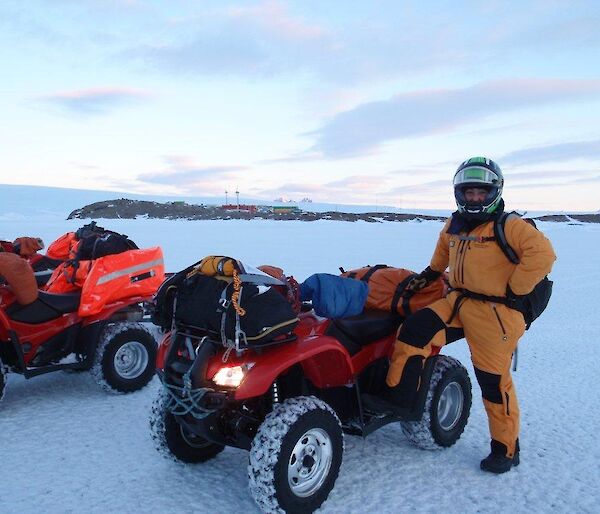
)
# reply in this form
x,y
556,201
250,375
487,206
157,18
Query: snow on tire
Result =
x,y
172,440
296,456
125,357
447,407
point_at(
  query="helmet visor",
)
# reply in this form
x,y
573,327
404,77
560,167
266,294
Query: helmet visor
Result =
x,y
475,175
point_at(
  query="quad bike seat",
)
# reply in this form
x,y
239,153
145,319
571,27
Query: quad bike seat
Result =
x,y
48,306
358,331
42,277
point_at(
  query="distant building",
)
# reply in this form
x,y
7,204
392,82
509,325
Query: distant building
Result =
x,y
251,209
285,209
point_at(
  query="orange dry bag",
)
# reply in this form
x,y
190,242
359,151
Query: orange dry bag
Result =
x,y
387,289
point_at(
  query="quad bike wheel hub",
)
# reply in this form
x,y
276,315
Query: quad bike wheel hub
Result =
x,y
131,360
310,462
450,406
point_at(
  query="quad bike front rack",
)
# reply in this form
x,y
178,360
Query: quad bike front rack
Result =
x,y
186,388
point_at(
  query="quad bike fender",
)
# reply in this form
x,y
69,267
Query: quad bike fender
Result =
x,y
113,310
323,359
163,350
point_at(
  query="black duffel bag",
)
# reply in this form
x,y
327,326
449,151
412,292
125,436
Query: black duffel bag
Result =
x,y
96,242
206,302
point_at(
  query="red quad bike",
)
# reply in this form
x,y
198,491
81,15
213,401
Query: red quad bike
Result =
x,y
290,402
50,333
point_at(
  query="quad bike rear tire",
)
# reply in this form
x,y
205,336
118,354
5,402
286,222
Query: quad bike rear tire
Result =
x,y
174,441
125,357
447,407
296,456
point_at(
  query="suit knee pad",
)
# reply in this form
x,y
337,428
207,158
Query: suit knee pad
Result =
x,y
420,327
490,386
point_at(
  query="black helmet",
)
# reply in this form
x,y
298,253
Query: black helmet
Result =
x,y
478,172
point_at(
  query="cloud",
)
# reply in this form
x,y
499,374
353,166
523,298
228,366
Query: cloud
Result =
x,y
360,188
535,176
425,189
291,189
274,18
434,168
579,31
348,47
587,180
269,39
259,40
364,46
358,183
97,101
183,173
554,153
363,129
515,181
88,168
303,157
554,184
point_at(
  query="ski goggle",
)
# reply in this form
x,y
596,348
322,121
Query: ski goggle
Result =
x,y
476,175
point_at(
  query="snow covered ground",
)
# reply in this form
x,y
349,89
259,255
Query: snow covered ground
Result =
x,y
67,446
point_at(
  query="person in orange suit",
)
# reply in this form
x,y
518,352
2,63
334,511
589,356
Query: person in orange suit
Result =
x,y
478,267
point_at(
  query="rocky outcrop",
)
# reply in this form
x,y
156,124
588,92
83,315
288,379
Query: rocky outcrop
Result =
x,y
129,209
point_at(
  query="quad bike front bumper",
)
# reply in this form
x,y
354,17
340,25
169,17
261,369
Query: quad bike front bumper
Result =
x,y
198,406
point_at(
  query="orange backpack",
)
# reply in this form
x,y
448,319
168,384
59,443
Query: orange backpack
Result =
x,y
387,289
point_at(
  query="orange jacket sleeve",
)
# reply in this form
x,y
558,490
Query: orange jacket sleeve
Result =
x,y
535,253
439,261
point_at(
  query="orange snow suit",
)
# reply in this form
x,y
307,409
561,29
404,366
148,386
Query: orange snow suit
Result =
x,y
476,263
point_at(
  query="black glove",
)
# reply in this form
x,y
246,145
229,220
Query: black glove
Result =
x,y
514,301
422,280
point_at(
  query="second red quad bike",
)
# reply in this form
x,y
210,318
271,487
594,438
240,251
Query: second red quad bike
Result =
x,y
96,328
290,401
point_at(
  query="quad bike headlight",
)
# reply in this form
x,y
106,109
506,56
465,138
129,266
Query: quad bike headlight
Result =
x,y
231,376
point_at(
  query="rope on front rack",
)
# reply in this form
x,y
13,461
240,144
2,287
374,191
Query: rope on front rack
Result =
x,y
183,401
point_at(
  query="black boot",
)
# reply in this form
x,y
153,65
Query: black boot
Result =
x,y
497,461
398,400
391,401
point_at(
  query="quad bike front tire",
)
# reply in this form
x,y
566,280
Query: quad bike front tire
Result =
x,y
173,440
296,456
447,407
125,357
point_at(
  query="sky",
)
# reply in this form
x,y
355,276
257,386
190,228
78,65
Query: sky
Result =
x,y
338,101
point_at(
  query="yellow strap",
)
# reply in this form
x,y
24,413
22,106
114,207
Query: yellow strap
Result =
x,y
237,283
